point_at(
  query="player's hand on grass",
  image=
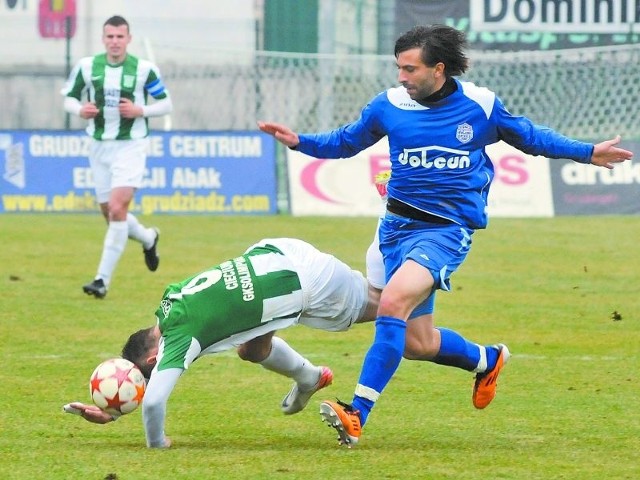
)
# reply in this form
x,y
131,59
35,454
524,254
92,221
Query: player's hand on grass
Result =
x,y
90,413
605,154
282,133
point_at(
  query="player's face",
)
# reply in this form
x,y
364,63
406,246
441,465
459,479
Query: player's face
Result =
x,y
419,79
115,40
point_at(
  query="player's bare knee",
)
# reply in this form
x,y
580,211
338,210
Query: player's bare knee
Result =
x,y
253,352
245,352
393,306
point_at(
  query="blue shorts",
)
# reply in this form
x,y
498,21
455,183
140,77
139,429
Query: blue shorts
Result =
x,y
437,247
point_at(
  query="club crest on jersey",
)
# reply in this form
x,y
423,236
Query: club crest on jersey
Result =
x,y
127,81
165,305
464,133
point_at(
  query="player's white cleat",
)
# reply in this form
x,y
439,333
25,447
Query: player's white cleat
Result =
x,y
297,399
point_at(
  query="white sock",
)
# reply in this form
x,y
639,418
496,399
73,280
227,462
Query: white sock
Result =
x,y
139,233
114,242
286,361
482,363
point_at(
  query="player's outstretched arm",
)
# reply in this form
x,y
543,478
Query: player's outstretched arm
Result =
x,y
282,133
154,406
90,413
606,154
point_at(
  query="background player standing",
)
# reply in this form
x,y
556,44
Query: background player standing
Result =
x,y
117,85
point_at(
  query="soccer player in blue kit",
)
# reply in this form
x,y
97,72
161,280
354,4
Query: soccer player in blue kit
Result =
x,y
437,127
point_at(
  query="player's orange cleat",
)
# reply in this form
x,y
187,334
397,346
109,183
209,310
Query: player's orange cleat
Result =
x,y
484,387
297,399
344,419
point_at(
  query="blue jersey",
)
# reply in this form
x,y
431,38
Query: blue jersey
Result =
x,y
437,151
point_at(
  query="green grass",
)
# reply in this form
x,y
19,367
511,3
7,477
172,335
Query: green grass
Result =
x,y
567,404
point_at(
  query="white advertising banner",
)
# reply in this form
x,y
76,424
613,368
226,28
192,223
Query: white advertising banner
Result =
x,y
521,186
345,187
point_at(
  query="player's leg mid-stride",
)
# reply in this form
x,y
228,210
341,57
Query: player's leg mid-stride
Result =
x,y
344,419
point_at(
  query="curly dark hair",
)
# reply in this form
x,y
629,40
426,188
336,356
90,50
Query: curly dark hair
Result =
x,y
137,349
439,44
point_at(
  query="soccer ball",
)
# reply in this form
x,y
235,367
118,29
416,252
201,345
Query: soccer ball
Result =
x,y
117,386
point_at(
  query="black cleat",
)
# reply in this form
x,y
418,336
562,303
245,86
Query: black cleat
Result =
x,y
151,257
95,288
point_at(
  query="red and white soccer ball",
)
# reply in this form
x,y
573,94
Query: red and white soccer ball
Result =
x,y
117,386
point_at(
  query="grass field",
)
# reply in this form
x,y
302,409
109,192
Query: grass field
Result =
x,y
567,404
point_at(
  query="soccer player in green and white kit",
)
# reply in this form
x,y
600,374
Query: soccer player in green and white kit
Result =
x,y
277,283
117,85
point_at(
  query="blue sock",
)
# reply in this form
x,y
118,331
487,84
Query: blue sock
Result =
x,y
457,351
492,357
380,363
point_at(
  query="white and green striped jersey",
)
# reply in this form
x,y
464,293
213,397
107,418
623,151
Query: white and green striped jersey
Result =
x,y
105,84
235,297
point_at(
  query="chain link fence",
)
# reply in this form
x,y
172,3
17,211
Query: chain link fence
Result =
x,y
586,94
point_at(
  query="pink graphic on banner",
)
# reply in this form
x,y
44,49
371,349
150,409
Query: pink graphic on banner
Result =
x,y
309,180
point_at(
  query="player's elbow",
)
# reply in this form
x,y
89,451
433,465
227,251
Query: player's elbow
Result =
x,y
168,105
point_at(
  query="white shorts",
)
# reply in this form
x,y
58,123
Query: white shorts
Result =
x,y
375,264
335,295
117,163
